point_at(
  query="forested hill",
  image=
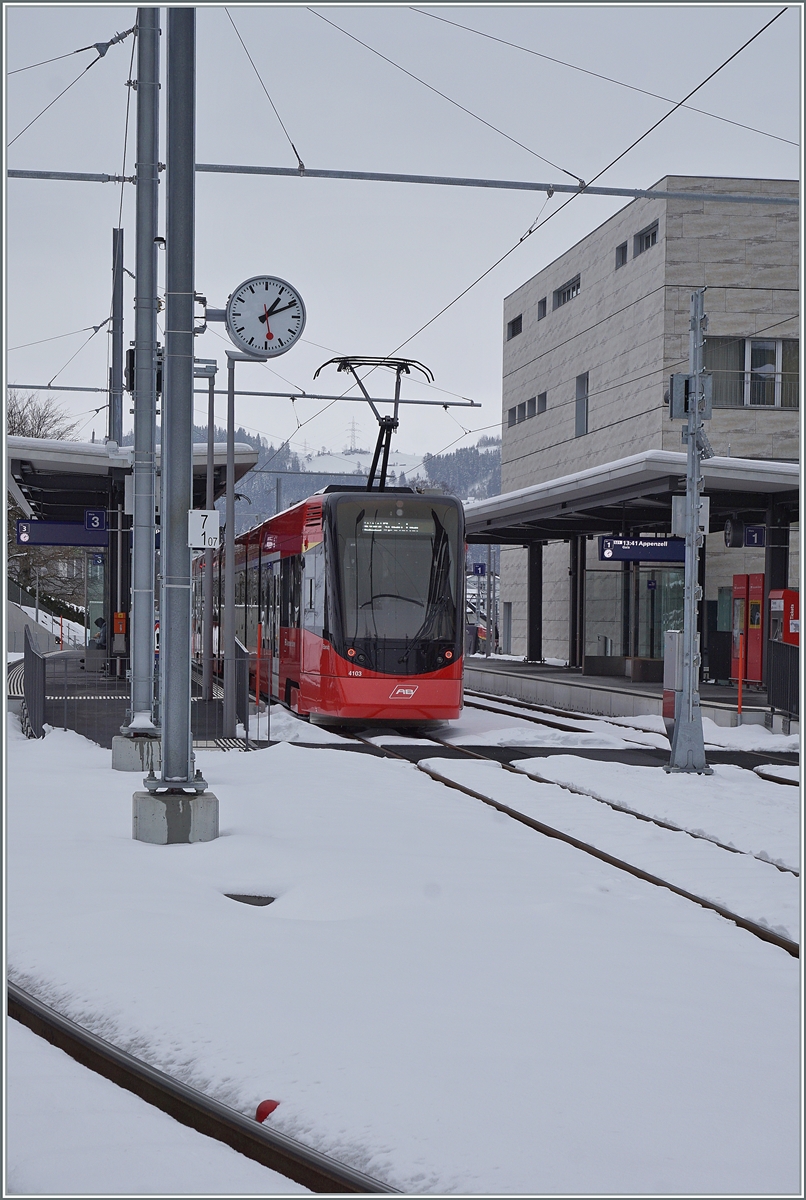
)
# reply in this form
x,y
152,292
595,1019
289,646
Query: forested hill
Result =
x,y
471,473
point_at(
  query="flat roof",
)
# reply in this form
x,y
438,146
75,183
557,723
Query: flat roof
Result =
x,y
629,495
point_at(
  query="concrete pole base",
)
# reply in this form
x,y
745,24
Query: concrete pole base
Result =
x,y
142,754
166,819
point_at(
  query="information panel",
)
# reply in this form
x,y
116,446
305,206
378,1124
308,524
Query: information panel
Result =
x,y
619,549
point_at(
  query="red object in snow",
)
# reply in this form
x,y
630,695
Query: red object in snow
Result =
x,y
265,1109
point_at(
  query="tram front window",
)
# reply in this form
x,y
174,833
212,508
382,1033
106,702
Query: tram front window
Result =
x,y
398,568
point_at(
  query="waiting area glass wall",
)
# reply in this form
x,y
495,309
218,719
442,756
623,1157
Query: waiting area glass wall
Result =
x,y
627,613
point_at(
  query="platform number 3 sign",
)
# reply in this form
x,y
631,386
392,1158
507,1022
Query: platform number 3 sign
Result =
x,y
203,525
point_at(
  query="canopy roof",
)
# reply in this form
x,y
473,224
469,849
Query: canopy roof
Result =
x,y
632,495
56,480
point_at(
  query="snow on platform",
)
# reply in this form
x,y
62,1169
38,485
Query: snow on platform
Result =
x,y
439,995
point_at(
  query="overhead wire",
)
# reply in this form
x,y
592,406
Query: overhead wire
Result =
x,y
597,75
300,163
455,103
539,225
102,48
58,336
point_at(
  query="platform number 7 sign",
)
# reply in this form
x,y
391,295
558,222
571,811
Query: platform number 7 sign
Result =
x,y
203,525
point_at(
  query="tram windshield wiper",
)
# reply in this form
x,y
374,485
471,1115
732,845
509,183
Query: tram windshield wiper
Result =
x,y
390,596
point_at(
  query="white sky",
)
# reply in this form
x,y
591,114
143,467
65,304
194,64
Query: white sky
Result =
x,y
373,261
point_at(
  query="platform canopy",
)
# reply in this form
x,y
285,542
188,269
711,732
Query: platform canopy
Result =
x,y
632,495
56,480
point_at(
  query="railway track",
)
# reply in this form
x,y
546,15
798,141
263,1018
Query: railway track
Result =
x,y
758,930
548,716
269,1147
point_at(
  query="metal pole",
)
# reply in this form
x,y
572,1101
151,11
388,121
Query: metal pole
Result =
x,y
115,416
207,650
86,589
688,748
145,372
488,639
229,561
119,585
177,409
36,610
278,494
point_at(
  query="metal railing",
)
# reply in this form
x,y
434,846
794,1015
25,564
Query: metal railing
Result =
x,y
740,389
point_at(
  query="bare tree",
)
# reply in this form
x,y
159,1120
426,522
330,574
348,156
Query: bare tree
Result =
x,y
31,415
62,576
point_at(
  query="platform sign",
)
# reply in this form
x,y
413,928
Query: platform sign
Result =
x,y
95,518
621,549
59,533
755,535
203,527
479,568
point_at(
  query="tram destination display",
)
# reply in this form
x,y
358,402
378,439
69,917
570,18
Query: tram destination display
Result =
x,y
622,549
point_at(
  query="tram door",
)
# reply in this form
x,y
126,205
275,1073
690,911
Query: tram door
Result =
x,y
290,632
313,608
272,640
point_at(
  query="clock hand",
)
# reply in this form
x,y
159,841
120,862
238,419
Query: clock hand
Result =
x,y
269,334
279,310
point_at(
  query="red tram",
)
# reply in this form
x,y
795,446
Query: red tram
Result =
x,y
351,605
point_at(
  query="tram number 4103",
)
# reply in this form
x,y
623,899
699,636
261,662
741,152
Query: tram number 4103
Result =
x,y
203,528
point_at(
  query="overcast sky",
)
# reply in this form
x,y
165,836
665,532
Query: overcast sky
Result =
x,y
373,261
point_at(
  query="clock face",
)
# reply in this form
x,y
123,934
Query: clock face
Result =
x,y
265,316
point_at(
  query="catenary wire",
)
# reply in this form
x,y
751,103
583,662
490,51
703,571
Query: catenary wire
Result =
x,y
539,225
597,75
55,98
102,48
81,347
455,103
126,133
58,336
266,90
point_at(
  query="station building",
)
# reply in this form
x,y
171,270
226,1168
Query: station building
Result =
x,y
589,345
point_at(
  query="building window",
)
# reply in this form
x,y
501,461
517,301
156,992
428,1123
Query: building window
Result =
x,y
514,327
512,417
753,372
541,309
645,240
581,411
621,255
566,292
521,413
541,402
531,406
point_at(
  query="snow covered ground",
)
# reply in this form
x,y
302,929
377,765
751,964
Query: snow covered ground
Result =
x,y
439,995
71,1131
73,632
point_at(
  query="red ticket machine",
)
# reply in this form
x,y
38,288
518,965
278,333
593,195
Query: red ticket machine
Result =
x,y
785,616
748,620
755,628
738,643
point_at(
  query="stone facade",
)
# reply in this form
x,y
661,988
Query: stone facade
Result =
x,y
625,326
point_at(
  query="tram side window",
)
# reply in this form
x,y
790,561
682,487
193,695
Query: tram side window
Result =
x,y
290,592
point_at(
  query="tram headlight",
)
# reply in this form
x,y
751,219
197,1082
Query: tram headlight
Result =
x,y
351,652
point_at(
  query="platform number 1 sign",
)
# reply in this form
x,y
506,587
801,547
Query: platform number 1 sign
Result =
x,y
203,527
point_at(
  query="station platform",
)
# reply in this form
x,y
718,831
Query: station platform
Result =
x,y
609,696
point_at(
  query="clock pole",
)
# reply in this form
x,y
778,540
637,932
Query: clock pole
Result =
x,y
166,812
